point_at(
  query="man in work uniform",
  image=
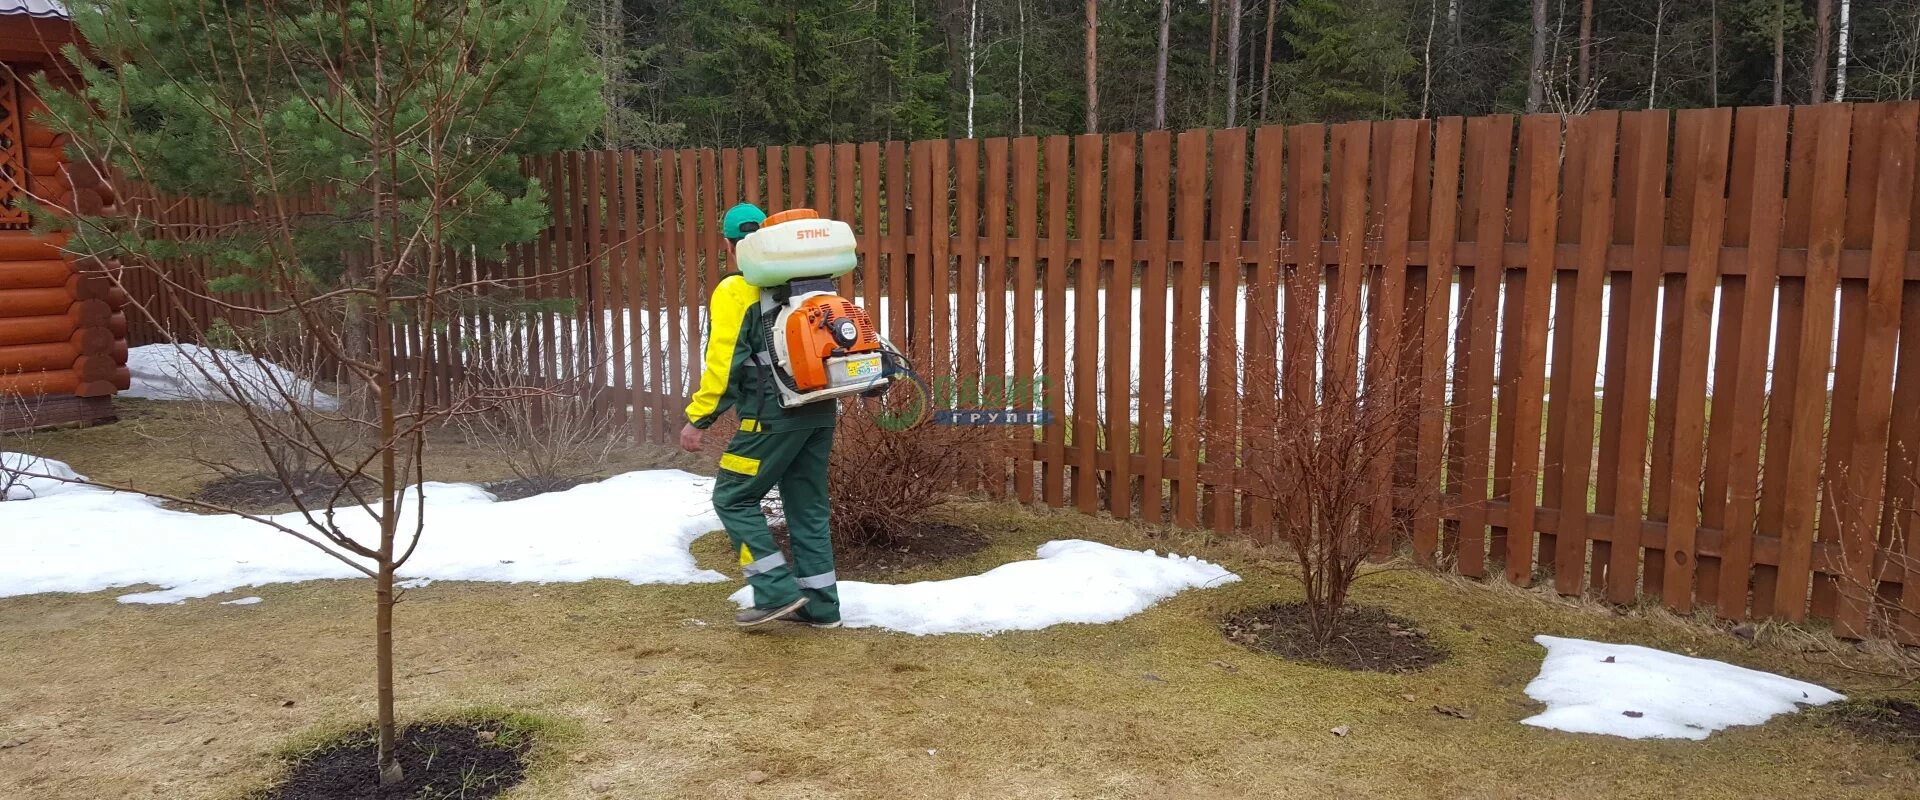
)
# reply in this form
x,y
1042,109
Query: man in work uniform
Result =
x,y
775,446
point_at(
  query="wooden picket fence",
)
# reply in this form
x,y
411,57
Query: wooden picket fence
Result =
x,y
1625,325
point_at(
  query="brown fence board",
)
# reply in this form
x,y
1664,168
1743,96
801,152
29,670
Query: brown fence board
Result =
x,y
1053,478
1156,189
1540,137
1086,364
1120,355
1223,332
1026,192
1190,217
1442,226
995,291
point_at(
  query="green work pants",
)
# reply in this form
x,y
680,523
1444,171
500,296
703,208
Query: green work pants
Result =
x,y
795,461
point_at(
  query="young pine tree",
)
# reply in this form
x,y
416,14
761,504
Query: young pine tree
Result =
x,y
373,147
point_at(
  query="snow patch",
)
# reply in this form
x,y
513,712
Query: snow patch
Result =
x,y
17,471
1642,693
1072,581
192,372
244,601
634,527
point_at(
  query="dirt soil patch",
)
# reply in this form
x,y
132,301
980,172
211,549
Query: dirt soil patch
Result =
x,y
1891,721
259,491
918,546
1367,640
441,760
523,488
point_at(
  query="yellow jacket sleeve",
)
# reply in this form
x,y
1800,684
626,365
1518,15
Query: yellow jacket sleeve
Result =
x,y
726,350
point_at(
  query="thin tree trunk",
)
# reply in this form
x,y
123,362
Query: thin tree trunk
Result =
x,y
1780,53
1213,53
1537,65
1653,79
1233,61
1822,45
1020,75
1453,19
1426,59
1160,68
973,35
1093,66
1840,56
1266,58
1586,45
1713,68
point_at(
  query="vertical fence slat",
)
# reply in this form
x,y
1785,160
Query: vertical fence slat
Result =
x,y
1490,141
845,207
1863,491
921,307
1696,315
1191,179
966,387
996,377
1594,135
896,201
1086,318
1120,331
1442,227
1263,302
1648,133
1223,340
1053,468
1762,137
1541,148
1026,193
1385,370
1826,234
873,266
938,255
1156,169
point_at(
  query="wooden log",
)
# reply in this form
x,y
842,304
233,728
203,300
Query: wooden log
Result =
x,y
117,323
92,339
35,330
89,313
32,384
34,274
34,302
100,388
21,246
95,368
37,357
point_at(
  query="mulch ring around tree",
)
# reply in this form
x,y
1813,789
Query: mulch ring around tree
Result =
x,y
523,488
260,491
919,545
1895,722
1366,640
916,546
469,760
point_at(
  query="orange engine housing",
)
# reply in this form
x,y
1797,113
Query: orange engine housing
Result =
x,y
811,340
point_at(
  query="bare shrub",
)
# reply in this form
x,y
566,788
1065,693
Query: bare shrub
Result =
x,y
1325,462
549,438
890,471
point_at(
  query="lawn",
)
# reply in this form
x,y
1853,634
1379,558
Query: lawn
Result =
x,y
663,698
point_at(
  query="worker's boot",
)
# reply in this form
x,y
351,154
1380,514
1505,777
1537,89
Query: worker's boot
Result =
x,y
753,617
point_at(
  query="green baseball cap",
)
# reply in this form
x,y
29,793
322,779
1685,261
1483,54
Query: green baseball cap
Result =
x,y
741,220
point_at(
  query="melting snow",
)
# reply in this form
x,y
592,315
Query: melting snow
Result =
x,y
1071,581
1642,693
244,601
634,527
192,372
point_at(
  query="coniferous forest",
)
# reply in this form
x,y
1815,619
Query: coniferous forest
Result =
x,y
741,72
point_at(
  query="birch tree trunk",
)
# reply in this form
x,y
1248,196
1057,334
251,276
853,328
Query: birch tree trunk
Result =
x,y
973,36
1653,78
1840,55
1233,61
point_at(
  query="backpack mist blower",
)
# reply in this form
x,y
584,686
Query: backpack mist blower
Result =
x,y
823,345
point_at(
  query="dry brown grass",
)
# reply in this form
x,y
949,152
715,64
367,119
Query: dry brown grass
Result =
x,y
191,701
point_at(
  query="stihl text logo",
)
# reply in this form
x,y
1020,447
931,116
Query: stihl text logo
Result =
x,y
810,233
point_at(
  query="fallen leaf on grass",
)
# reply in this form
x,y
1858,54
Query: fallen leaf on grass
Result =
x,y
1341,731
1451,711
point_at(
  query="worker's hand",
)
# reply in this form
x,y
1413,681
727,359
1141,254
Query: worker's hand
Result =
x,y
690,438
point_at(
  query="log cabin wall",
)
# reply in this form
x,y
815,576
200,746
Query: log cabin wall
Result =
x,y
63,328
